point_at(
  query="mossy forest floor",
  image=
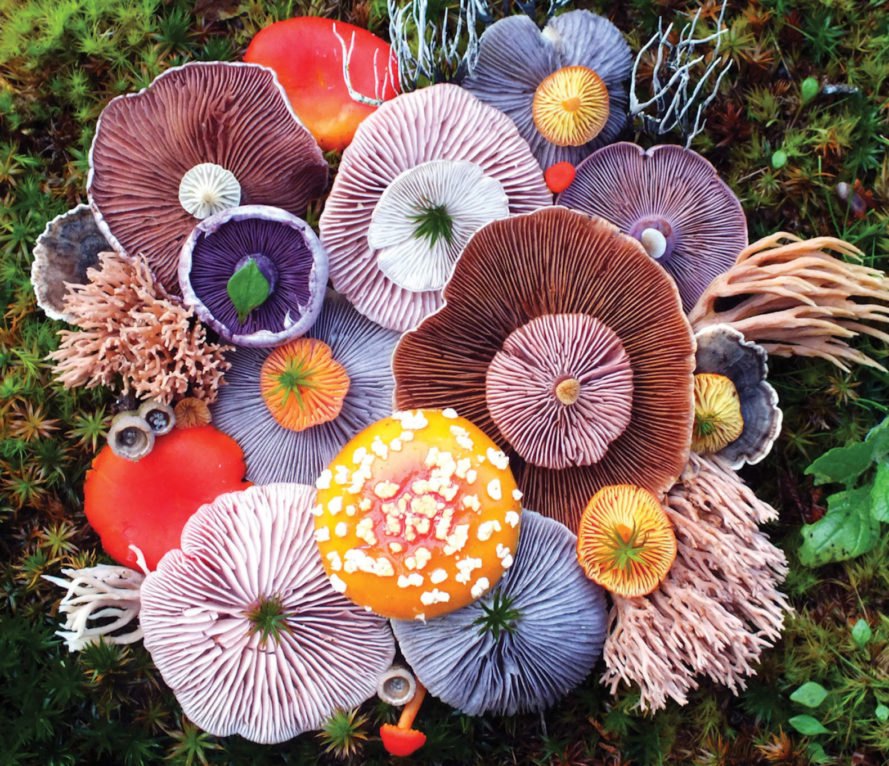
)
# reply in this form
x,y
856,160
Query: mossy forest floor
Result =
x,y
62,60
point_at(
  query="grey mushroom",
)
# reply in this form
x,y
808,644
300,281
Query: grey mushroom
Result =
x,y
397,686
160,417
130,436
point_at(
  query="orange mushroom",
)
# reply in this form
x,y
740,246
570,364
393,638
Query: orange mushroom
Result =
x,y
401,740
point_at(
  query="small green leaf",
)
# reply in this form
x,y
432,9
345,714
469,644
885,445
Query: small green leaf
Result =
x,y
807,725
847,530
878,438
248,289
810,694
779,159
879,493
817,755
882,713
809,89
862,633
842,465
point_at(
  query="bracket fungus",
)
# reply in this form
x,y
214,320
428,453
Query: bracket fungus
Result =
x,y
201,138
565,87
525,644
245,628
255,274
568,346
417,515
401,211
671,200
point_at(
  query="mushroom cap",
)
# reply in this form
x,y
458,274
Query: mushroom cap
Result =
x,y
233,115
515,57
441,122
556,262
551,647
275,453
68,246
670,190
218,246
417,515
241,551
722,349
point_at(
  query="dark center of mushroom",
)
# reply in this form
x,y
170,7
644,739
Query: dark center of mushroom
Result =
x,y
252,282
561,390
268,618
656,236
302,384
499,616
571,106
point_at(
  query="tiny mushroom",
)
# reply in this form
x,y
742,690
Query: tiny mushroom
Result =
x,y
69,245
255,274
202,137
161,418
526,643
564,87
130,436
244,627
671,200
423,173
418,515
397,686
401,740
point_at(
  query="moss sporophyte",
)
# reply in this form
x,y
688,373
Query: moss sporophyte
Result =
x,y
269,619
500,616
434,223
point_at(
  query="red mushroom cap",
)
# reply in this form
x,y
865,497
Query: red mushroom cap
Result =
x,y
401,742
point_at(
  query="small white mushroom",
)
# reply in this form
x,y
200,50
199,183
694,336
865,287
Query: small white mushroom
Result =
x,y
160,417
654,242
208,188
130,436
397,686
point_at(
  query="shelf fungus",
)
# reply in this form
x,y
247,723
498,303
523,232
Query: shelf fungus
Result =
x,y
525,644
418,515
564,342
563,87
401,210
255,274
244,627
671,200
201,138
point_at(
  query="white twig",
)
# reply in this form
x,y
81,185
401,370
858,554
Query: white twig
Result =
x,y
379,87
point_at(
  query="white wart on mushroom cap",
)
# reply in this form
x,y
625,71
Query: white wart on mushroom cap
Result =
x,y
245,628
401,210
671,200
201,138
256,274
524,645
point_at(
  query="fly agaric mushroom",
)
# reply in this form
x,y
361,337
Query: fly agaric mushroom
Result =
x,y
201,138
564,87
670,199
626,542
401,740
255,274
526,643
293,407
400,211
146,504
564,342
417,515
244,627
307,54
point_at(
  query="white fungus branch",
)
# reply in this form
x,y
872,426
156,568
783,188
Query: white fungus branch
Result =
x,y
379,85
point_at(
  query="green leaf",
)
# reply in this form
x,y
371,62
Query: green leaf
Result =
x,y
810,694
842,465
808,90
878,438
879,493
847,530
817,755
248,289
807,725
882,713
862,633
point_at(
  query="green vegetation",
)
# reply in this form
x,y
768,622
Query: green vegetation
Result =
x,y
801,111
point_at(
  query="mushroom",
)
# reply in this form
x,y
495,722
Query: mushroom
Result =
x,y
625,542
255,274
69,245
307,55
292,408
671,200
202,137
723,350
564,342
525,644
417,515
191,412
564,87
397,686
401,740
401,210
146,504
244,627
161,418
130,436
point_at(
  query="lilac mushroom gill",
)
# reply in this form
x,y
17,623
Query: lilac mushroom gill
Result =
x,y
522,646
565,87
245,628
671,200
255,274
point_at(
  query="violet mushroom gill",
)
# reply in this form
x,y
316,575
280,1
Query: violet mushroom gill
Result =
x,y
255,274
200,138
564,87
401,209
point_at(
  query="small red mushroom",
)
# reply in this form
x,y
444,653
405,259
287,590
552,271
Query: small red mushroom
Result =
x,y
146,503
559,177
401,740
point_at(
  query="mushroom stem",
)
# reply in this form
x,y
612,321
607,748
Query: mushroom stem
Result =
x,y
654,242
568,391
409,711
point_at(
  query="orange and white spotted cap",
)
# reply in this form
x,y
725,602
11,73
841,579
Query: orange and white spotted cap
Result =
x,y
418,515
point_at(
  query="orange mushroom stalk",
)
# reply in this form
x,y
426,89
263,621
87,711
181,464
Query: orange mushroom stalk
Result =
x,y
401,740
